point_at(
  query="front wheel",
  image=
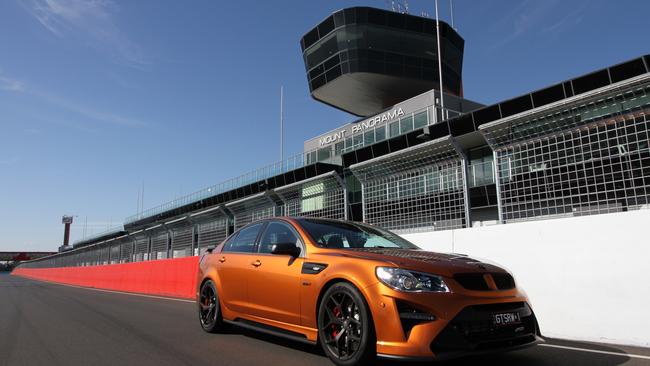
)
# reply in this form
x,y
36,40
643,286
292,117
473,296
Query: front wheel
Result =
x,y
209,309
345,326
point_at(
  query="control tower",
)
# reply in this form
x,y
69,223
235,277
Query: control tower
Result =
x,y
364,60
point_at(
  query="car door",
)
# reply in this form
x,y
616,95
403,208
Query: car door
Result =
x,y
274,285
234,265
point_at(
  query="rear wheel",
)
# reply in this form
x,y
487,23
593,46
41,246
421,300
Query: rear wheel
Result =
x,y
209,309
345,327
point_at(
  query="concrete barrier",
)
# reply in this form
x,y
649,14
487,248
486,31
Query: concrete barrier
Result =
x,y
166,277
587,277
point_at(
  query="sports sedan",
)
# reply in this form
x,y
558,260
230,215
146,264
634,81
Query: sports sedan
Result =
x,y
361,292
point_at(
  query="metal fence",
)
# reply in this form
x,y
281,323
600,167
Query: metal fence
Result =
x,y
210,233
601,168
321,196
584,158
182,240
253,208
419,188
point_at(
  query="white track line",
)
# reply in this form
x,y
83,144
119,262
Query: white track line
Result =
x,y
595,351
119,292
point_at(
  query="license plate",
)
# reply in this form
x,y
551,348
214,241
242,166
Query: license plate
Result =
x,y
506,319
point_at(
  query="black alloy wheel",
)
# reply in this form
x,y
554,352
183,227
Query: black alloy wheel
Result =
x,y
209,309
345,327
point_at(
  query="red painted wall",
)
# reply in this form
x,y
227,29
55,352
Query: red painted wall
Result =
x,y
167,277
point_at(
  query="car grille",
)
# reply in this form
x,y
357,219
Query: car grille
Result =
x,y
473,329
504,281
472,281
476,281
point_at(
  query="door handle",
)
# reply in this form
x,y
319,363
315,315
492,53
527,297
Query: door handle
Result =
x,y
257,263
222,259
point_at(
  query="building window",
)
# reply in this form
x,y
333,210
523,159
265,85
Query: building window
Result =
x,y
316,198
369,137
357,141
432,182
394,129
348,144
338,148
406,124
311,157
324,153
380,133
421,120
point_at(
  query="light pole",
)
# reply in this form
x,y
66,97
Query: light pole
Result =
x,y
282,126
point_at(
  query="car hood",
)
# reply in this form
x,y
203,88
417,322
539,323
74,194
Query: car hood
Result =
x,y
424,261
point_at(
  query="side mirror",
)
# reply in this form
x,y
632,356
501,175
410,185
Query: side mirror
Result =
x,y
286,249
210,249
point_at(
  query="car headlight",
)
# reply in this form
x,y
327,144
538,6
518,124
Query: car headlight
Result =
x,y
410,281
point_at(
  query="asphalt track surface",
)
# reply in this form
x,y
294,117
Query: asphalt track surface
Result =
x,y
49,324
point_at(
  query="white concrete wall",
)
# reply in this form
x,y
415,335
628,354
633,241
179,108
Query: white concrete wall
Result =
x,y
588,278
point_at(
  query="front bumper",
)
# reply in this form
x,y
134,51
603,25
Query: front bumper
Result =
x,y
463,325
472,331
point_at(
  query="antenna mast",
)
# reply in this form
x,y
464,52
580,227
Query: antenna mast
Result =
x,y
442,98
451,10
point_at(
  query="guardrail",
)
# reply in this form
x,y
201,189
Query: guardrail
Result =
x,y
271,170
93,236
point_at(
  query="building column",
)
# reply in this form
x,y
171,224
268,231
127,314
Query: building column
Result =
x,y
465,168
363,201
497,181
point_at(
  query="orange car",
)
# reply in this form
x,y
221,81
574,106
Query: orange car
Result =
x,y
360,292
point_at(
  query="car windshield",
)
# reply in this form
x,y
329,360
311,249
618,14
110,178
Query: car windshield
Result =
x,y
349,235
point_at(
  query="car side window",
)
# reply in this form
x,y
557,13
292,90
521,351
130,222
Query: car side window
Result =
x,y
244,242
229,241
277,233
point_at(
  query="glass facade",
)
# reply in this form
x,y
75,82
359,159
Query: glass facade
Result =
x,y
480,170
340,54
403,125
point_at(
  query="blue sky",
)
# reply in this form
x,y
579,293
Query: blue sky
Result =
x,y
98,97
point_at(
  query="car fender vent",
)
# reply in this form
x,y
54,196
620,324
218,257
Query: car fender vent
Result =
x,y
410,316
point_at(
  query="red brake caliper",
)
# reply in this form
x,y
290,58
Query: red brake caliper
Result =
x,y
337,313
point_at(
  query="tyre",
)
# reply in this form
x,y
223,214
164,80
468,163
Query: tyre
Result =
x,y
209,309
345,328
